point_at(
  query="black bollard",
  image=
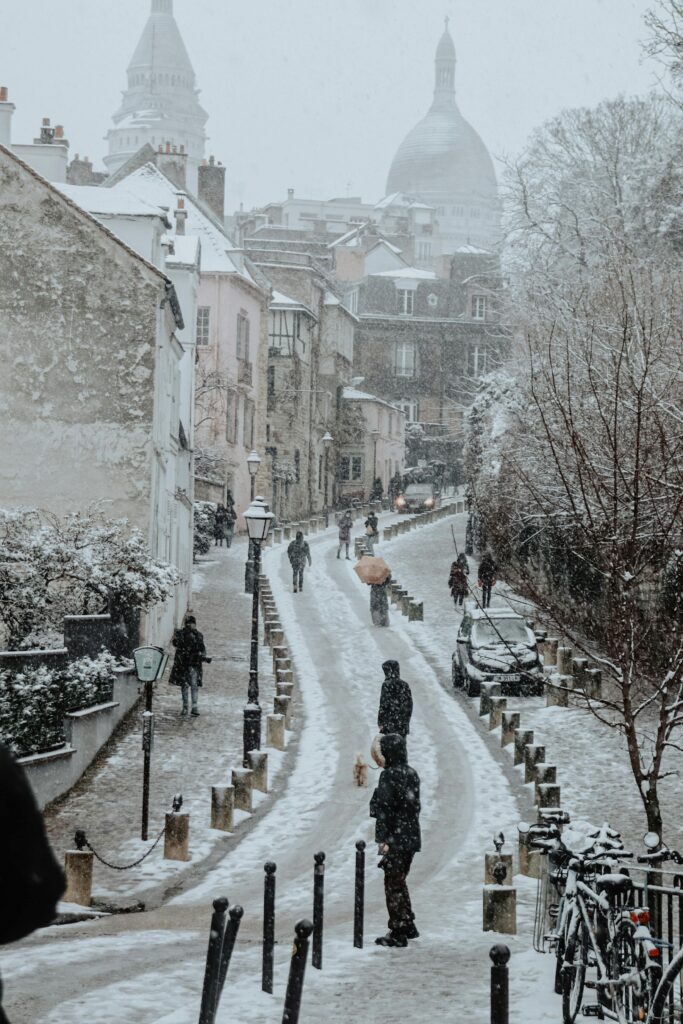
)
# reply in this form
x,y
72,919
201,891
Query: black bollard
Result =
x,y
297,969
268,927
229,938
359,898
207,1012
500,996
318,899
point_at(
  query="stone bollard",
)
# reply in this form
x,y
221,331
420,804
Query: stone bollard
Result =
x,y
508,726
280,652
533,755
500,900
304,527
313,526
522,737
275,731
549,650
593,683
545,774
78,865
529,860
578,669
283,675
404,602
555,696
548,795
283,706
490,860
177,836
387,533
258,765
488,690
287,532
416,611
277,535
564,660
394,591
498,706
242,781
277,636
284,689
222,807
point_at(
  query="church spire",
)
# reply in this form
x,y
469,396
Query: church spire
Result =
x,y
444,83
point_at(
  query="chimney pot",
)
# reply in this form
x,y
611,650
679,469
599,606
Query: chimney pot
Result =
x,y
3,94
46,122
290,193
211,161
168,147
59,131
182,150
181,203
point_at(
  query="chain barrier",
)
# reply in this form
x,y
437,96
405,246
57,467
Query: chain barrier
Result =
x,y
82,841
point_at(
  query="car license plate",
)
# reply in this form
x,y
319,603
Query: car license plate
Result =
x,y
508,678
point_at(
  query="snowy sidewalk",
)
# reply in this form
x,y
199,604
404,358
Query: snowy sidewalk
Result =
x,y
190,754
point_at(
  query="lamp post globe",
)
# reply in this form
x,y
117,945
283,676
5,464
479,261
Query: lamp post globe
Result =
x,y
258,519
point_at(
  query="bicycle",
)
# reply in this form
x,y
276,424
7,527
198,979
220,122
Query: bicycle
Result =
x,y
667,1002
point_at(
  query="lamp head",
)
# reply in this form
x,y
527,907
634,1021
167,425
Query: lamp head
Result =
x,y
258,520
150,663
327,439
253,462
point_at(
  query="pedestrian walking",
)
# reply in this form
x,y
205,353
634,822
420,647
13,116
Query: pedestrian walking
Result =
x,y
187,665
32,879
298,553
379,602
395,806
457,583
345,524
229,525
371,532
395,702
219,525
487,578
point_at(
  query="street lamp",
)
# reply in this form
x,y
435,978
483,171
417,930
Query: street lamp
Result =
x,y
253,463
150,663
375,438
327,441
258,520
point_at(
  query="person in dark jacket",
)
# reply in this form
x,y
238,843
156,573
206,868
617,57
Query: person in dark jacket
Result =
x,y
187,666
395,806
457,583
395,702
379,602
298,553
345,525
371,532
33,881
487,578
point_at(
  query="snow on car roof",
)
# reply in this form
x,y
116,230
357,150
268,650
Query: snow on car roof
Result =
x,y
495,613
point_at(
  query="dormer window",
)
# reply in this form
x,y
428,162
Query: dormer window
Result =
x,y
478,307
406,301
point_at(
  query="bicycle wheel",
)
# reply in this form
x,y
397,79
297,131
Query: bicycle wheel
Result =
x,y
627,957
667,1004
574,974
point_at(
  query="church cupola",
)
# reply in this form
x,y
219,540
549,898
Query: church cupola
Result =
x,y
444,83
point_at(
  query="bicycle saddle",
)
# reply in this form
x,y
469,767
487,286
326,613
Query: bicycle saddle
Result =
x,y
613,884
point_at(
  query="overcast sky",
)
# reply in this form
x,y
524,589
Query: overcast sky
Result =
x,y
317,94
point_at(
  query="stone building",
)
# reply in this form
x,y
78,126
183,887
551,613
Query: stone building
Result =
x,y
444,163
92,391
374,446
160,106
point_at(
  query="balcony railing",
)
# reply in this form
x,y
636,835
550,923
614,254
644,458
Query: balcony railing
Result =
x,y
244,372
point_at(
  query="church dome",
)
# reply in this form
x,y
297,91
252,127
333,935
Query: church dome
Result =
x,y
444,162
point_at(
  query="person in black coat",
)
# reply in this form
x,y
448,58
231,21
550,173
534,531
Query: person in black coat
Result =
x,y
487,578
395,806
395,702
298,554
187,666
32,879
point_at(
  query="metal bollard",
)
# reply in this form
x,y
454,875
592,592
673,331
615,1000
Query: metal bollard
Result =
x,y
297,969
359,897
268,927
500,996
318,909
235,916
207,1012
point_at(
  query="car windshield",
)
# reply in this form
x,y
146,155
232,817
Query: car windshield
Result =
x,y
512,630
417,490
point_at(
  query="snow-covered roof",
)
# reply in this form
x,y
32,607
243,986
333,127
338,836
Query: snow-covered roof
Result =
x,y
473,249
281,301
412,273
149,184
494,613
186,249
401,199
354,395
111,202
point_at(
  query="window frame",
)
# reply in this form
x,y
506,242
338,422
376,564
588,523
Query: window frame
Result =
x,y
203,326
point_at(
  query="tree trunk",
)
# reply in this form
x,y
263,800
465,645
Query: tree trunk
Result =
x,y
653,810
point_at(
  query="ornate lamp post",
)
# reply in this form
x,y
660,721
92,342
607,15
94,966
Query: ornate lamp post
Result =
x,y
150,663
253,463
375,438
258,520
327,441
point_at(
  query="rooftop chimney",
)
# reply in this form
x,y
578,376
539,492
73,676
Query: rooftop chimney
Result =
x,y
47,133
180,215
290,193
211,186
6,111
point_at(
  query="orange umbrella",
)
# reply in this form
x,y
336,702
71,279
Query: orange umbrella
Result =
x,y
372,570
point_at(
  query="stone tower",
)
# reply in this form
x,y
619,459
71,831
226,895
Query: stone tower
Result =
x,y
444,162
161,105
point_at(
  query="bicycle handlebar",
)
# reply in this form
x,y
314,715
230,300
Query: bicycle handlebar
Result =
x,y
660,856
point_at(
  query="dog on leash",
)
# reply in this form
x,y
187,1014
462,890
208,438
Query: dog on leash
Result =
x,y
360,771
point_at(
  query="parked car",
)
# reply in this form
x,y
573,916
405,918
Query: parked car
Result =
x,y
418,498
498,646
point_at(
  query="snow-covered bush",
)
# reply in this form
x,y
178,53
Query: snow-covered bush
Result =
x,y
204,522
81,564
33,702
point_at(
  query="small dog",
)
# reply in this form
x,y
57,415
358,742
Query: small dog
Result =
x,y
360,771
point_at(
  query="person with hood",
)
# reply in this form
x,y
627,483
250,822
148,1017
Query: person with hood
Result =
x,y
487,578
395,702
33,881
298,553
457,583
219,525
187,666
371,531
345,524
379,602
395,806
